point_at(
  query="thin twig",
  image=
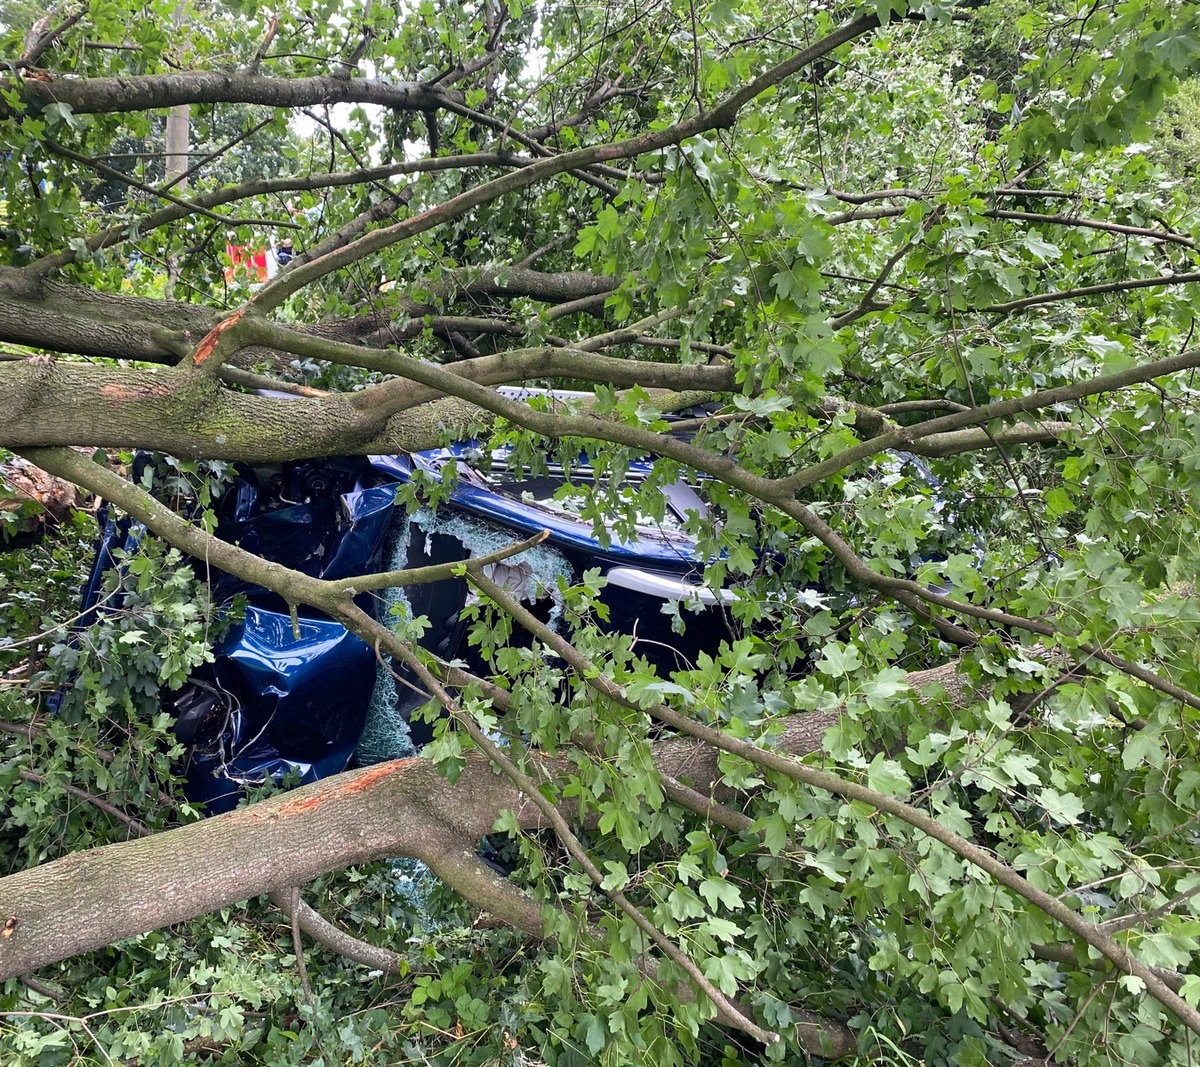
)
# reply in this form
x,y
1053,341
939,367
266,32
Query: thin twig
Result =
x,y
135,826
298,946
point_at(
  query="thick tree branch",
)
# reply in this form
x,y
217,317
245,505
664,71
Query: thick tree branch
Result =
x,y
45,314
57,317
167,410
1165,236
956,442
68,907
152,91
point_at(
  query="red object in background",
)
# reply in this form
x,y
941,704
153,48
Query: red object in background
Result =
x,y
252,262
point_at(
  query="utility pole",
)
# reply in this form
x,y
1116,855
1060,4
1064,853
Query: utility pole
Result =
x,y
175,162
177,125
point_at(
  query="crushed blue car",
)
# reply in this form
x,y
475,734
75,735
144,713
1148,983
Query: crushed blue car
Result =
x,y
303,699
277,702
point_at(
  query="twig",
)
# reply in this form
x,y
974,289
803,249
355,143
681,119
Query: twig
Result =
x,y
298,946
191,205
1126,922
31,732
195,167
135,826
42,989
728,1011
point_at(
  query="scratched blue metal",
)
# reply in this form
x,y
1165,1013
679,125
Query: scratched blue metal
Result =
x,y
655,547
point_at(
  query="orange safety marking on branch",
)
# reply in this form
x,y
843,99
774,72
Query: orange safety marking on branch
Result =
x,y
375,774
359,784
209,345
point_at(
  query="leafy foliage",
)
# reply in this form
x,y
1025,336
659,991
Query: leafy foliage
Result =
x,y
937,216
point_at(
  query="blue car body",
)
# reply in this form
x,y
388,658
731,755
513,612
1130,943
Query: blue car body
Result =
x,y
276,702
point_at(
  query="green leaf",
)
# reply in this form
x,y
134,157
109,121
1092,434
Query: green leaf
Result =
x,y
617,877
1041,249
838,660
887,776
1144,746
719,891
1063,808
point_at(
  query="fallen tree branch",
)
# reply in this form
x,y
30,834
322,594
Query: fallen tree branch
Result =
x,y
358,810
906,436
331,937
135,826
787,765
726,1010
32,732
153,91
1089,290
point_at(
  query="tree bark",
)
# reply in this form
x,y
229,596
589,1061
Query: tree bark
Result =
x,y
91,899
115,95
75,320
48,403
55,497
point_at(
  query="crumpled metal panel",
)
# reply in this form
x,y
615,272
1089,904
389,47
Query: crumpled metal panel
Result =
x,y
277,703
290,703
